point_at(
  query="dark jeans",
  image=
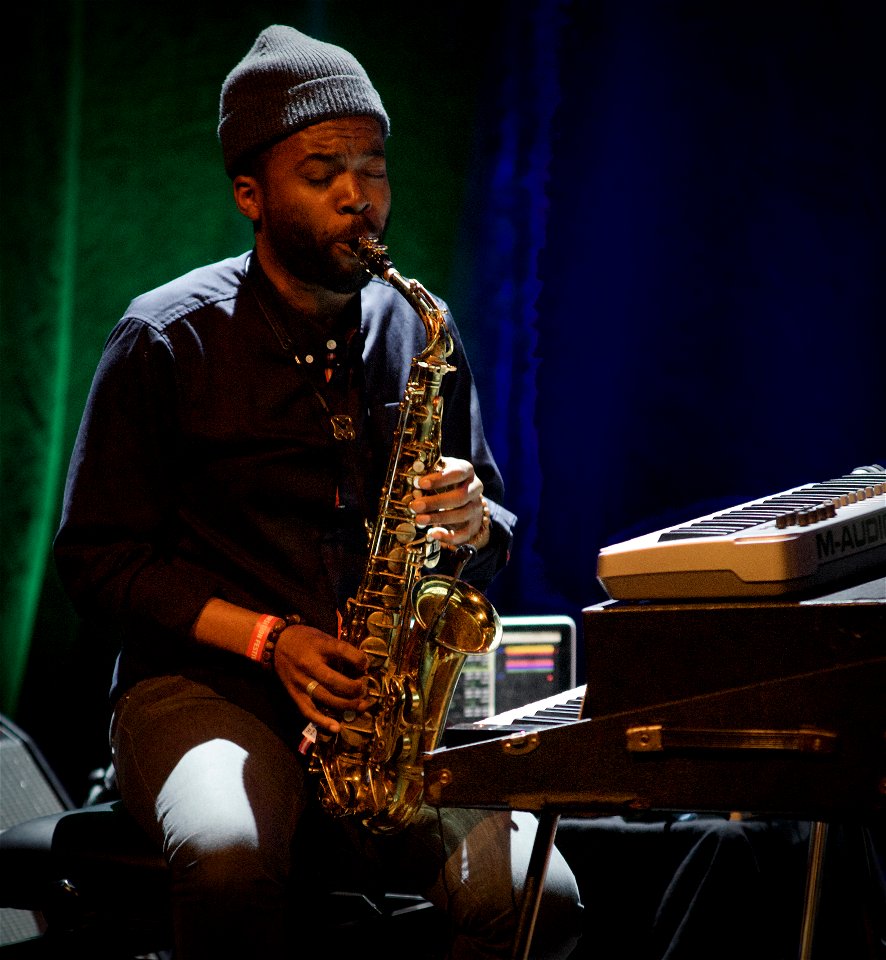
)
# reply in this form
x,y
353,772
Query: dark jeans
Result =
x,y
221,788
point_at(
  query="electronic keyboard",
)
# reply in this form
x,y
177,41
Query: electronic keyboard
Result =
x,y
561,707
809,537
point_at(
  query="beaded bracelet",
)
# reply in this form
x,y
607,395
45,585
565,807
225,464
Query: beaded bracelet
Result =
x,y
481,537
267,654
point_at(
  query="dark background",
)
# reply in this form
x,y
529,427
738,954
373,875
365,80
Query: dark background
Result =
x,y
660,227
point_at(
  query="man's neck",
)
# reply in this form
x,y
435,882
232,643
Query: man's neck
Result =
x,y
322,306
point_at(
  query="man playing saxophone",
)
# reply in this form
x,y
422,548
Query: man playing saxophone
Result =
x,y
228,463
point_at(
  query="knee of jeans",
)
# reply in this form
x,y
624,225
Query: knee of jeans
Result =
x,y
483,930
559,923
724,839
491,919
221,867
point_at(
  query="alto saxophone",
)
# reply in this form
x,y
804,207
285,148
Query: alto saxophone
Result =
x,y
415,628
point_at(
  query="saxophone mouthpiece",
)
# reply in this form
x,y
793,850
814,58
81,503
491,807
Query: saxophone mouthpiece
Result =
x,y
365,245
373,255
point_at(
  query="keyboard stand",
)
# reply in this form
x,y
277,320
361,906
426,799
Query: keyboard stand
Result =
x,y
536,872
817,840
548,822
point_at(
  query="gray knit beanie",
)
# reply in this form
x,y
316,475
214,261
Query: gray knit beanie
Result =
x,y
286,82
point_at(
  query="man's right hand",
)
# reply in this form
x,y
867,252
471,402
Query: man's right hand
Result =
x,y
322,674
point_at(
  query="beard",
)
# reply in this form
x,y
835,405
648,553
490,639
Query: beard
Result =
x,y
312,261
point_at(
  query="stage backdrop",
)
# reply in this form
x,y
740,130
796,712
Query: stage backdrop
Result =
x,y
660,227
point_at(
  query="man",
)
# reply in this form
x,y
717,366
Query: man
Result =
x,y
230,456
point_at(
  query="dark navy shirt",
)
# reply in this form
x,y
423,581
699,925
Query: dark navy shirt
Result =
x,y
206,465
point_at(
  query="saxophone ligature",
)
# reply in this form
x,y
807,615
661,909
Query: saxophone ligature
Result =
x,y
416,627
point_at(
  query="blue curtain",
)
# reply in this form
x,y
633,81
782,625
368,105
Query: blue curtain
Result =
x,y
502,235
687,301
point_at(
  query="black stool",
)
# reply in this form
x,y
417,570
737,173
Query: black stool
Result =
x,y
99,884
102,889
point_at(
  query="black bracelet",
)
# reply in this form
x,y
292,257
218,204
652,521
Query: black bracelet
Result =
x,y
267,654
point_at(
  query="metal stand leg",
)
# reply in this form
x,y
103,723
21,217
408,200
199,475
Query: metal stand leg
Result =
x,y
817,840
535,881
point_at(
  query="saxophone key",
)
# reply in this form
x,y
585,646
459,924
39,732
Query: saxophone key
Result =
x,y
390,596
381,622
374,647
352,737
397,560
405,531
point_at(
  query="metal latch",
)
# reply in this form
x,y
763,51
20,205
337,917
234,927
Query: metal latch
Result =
x,y
657,738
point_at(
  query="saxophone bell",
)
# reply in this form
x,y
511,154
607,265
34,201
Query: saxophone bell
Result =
x,y
456,616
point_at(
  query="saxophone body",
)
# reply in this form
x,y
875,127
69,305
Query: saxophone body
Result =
x,y
415,627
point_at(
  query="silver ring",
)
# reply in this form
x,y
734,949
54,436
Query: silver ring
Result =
x,y
311,687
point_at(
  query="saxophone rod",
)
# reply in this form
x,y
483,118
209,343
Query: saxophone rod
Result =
x,y
467,552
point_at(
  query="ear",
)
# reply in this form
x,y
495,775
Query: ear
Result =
x,y
248,196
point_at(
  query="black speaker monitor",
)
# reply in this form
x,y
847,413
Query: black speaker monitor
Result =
x,y
28,789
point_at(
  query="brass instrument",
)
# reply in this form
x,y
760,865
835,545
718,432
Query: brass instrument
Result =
x,y
416,628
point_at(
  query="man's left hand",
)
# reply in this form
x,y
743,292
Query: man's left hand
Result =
x,y
450,502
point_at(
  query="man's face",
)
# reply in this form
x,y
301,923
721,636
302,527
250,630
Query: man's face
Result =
x,y
318,190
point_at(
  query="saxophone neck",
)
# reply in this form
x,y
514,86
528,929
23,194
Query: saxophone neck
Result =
x,y
373,255
427,308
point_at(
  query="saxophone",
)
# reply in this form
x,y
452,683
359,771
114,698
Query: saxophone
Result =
x,y
415,628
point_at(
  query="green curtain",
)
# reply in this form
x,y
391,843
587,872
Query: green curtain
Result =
x,y
41,170
116,187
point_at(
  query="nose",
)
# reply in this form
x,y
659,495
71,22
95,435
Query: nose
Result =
x,y
353,196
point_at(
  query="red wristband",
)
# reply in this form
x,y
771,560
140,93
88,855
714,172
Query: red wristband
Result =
x,y
263,626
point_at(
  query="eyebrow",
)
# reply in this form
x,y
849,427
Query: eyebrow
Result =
x,y
322,157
